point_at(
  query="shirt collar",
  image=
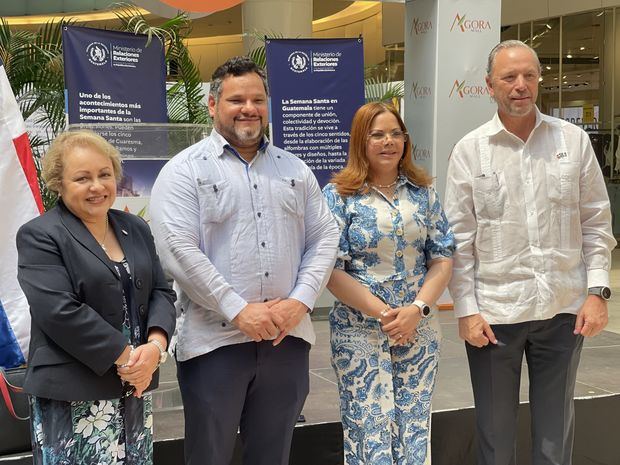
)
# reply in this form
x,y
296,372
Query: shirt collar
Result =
x,y
220,143
496,126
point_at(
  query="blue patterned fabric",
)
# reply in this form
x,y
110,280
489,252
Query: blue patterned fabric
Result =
x,y
385,392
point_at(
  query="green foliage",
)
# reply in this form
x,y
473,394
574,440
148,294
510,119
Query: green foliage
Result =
x,y
382,90
33,62
258,54
185,96
34,65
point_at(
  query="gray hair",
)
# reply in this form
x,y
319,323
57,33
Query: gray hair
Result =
x,y
509,44
235,66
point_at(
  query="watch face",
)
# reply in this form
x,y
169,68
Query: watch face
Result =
x,y
605,293
426,310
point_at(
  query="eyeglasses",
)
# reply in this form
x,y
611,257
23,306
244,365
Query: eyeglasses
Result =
x,y
378,137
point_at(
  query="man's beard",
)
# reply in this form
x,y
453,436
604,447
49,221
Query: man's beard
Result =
x,y
241,136
249,134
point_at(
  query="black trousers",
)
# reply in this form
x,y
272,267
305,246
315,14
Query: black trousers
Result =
x,y
552,352
255,387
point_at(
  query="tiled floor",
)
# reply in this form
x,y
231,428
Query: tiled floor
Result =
x,y
599,373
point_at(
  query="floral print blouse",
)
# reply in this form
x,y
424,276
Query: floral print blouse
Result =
x,y
386,240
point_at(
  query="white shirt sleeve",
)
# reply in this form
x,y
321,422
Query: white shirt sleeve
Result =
x,y
595,215
459,208
321,241
175,221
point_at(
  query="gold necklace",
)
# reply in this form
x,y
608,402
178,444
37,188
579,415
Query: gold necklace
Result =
x,y
105,235
386,186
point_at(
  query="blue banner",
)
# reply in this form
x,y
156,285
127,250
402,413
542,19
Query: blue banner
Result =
x,y
316,86
113,77
10,354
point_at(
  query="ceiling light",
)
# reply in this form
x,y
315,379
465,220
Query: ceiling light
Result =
x,y
596,57
564,77
579,75
582,48
540,79
569,55
600,14
548,67
555,79
565,82
548,26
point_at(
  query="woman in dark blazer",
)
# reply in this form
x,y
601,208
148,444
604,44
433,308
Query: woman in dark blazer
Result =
x,y
102,313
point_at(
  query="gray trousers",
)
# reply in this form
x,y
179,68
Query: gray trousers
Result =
x,y
255,387
552,352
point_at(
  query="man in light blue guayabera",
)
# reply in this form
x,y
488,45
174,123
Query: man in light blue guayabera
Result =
x,y
243,229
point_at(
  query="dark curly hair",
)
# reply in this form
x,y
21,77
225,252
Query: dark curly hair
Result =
x,y
235,66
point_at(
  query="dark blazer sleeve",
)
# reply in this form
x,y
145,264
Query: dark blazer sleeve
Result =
x,y
55,308
161,312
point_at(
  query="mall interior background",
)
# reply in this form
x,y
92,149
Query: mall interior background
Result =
x,y
578,43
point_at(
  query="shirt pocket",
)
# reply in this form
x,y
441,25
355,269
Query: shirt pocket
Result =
x,y
216,200
563,183
290,192
489,195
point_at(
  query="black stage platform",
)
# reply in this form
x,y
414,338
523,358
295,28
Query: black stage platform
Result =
x,y
319,440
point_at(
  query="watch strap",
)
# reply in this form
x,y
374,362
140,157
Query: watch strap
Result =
x,y
425,309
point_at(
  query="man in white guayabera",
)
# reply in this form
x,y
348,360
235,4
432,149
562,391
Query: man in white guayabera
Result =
x,y
531,218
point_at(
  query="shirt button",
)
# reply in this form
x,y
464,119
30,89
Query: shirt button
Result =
x,y
399,232
265,300
266,274
142,309
223,324
262,244
255,186
139,283
399,253
258,214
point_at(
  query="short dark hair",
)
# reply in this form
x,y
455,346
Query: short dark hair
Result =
x,y
235,66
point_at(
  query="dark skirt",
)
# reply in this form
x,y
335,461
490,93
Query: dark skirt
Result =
x,y
102,432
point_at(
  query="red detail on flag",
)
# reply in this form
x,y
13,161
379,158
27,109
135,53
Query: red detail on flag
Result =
x,y
24,153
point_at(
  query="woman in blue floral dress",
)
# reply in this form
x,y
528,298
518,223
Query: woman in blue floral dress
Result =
x,y
394,262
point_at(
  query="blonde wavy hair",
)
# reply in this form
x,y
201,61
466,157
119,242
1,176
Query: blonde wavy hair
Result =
x,y
53,162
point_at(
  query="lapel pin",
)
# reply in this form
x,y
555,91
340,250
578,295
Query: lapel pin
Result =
x,y
124,232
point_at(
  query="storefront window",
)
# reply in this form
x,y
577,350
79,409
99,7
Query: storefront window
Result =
x,y
546,41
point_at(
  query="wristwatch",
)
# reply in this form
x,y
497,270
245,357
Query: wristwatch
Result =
x,y
163,355
425,309
602,291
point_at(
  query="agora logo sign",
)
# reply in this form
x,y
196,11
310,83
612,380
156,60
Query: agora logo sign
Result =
x,y
421,27
462,90
470,25
421,153
418,91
